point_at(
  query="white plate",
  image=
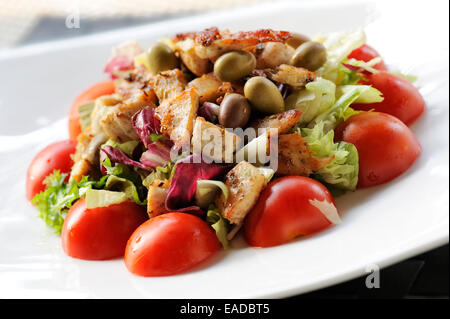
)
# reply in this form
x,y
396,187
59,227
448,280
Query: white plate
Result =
x,y
381,226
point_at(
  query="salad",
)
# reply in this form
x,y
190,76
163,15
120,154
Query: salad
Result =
x,y
208,134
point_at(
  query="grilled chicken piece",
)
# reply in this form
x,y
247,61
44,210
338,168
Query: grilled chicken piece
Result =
x,y
273,54
211,43
112,115
284,122
213,141
194,63
156,198
295,157
134,83
168,84
207,87
291,75
86,157
245,182
177,116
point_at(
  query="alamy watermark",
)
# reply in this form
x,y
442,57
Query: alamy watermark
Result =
x,y
73,18
373,279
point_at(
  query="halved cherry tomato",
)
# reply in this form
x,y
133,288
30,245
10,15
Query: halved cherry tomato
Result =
x,y
366,53
386,146
401,98
55,156
288,207
170,244
100,233
90,94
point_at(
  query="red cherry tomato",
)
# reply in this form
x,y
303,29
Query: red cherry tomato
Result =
x,y
90,94
288,207
170,244
401,98
386,146
100,233
54,156
366,53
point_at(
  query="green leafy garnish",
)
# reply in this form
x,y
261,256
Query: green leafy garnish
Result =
x,y
342,171
55,201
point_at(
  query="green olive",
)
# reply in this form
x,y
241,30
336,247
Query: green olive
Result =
x,y
234,111
234,65
297,39
264,95
310,55
161,58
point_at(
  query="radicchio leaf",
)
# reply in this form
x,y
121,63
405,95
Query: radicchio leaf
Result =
x,y
118,63
158,154
117,156
146,125
181,194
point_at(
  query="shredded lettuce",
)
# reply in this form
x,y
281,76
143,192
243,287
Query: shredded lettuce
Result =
x,y
368,94
207,191
317,97
342,171
338,46
219,224
125,186
85,111
55,201
127,147
341,110
103,198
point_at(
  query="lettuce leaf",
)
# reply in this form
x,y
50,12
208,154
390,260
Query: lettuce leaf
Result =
x,y
317,97
55,201
219,224
342,171
341,110
338,46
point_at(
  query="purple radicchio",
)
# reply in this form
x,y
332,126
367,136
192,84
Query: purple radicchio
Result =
x,y
158,153
146,125
181,194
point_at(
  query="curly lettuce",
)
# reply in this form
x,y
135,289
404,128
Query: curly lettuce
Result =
x,y
55,201
342,172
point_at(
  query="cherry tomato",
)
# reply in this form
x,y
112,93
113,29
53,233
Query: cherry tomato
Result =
x,y
54,156
90,94
100,233
170,244
386,146
401,98
288,207
366,53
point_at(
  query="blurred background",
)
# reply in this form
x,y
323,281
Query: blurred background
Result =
x,y
24,21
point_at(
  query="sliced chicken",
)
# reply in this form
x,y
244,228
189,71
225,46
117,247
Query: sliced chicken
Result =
x,y
168,84
86,157
291,75
272,54
211,43
112,115
156,198
213,141
284,122
207,86
295,157
177,116
245,182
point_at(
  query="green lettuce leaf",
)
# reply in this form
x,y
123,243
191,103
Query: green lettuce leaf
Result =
x,y
219,224
341,110
55,201
342,171
85,111
118,184
317,97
